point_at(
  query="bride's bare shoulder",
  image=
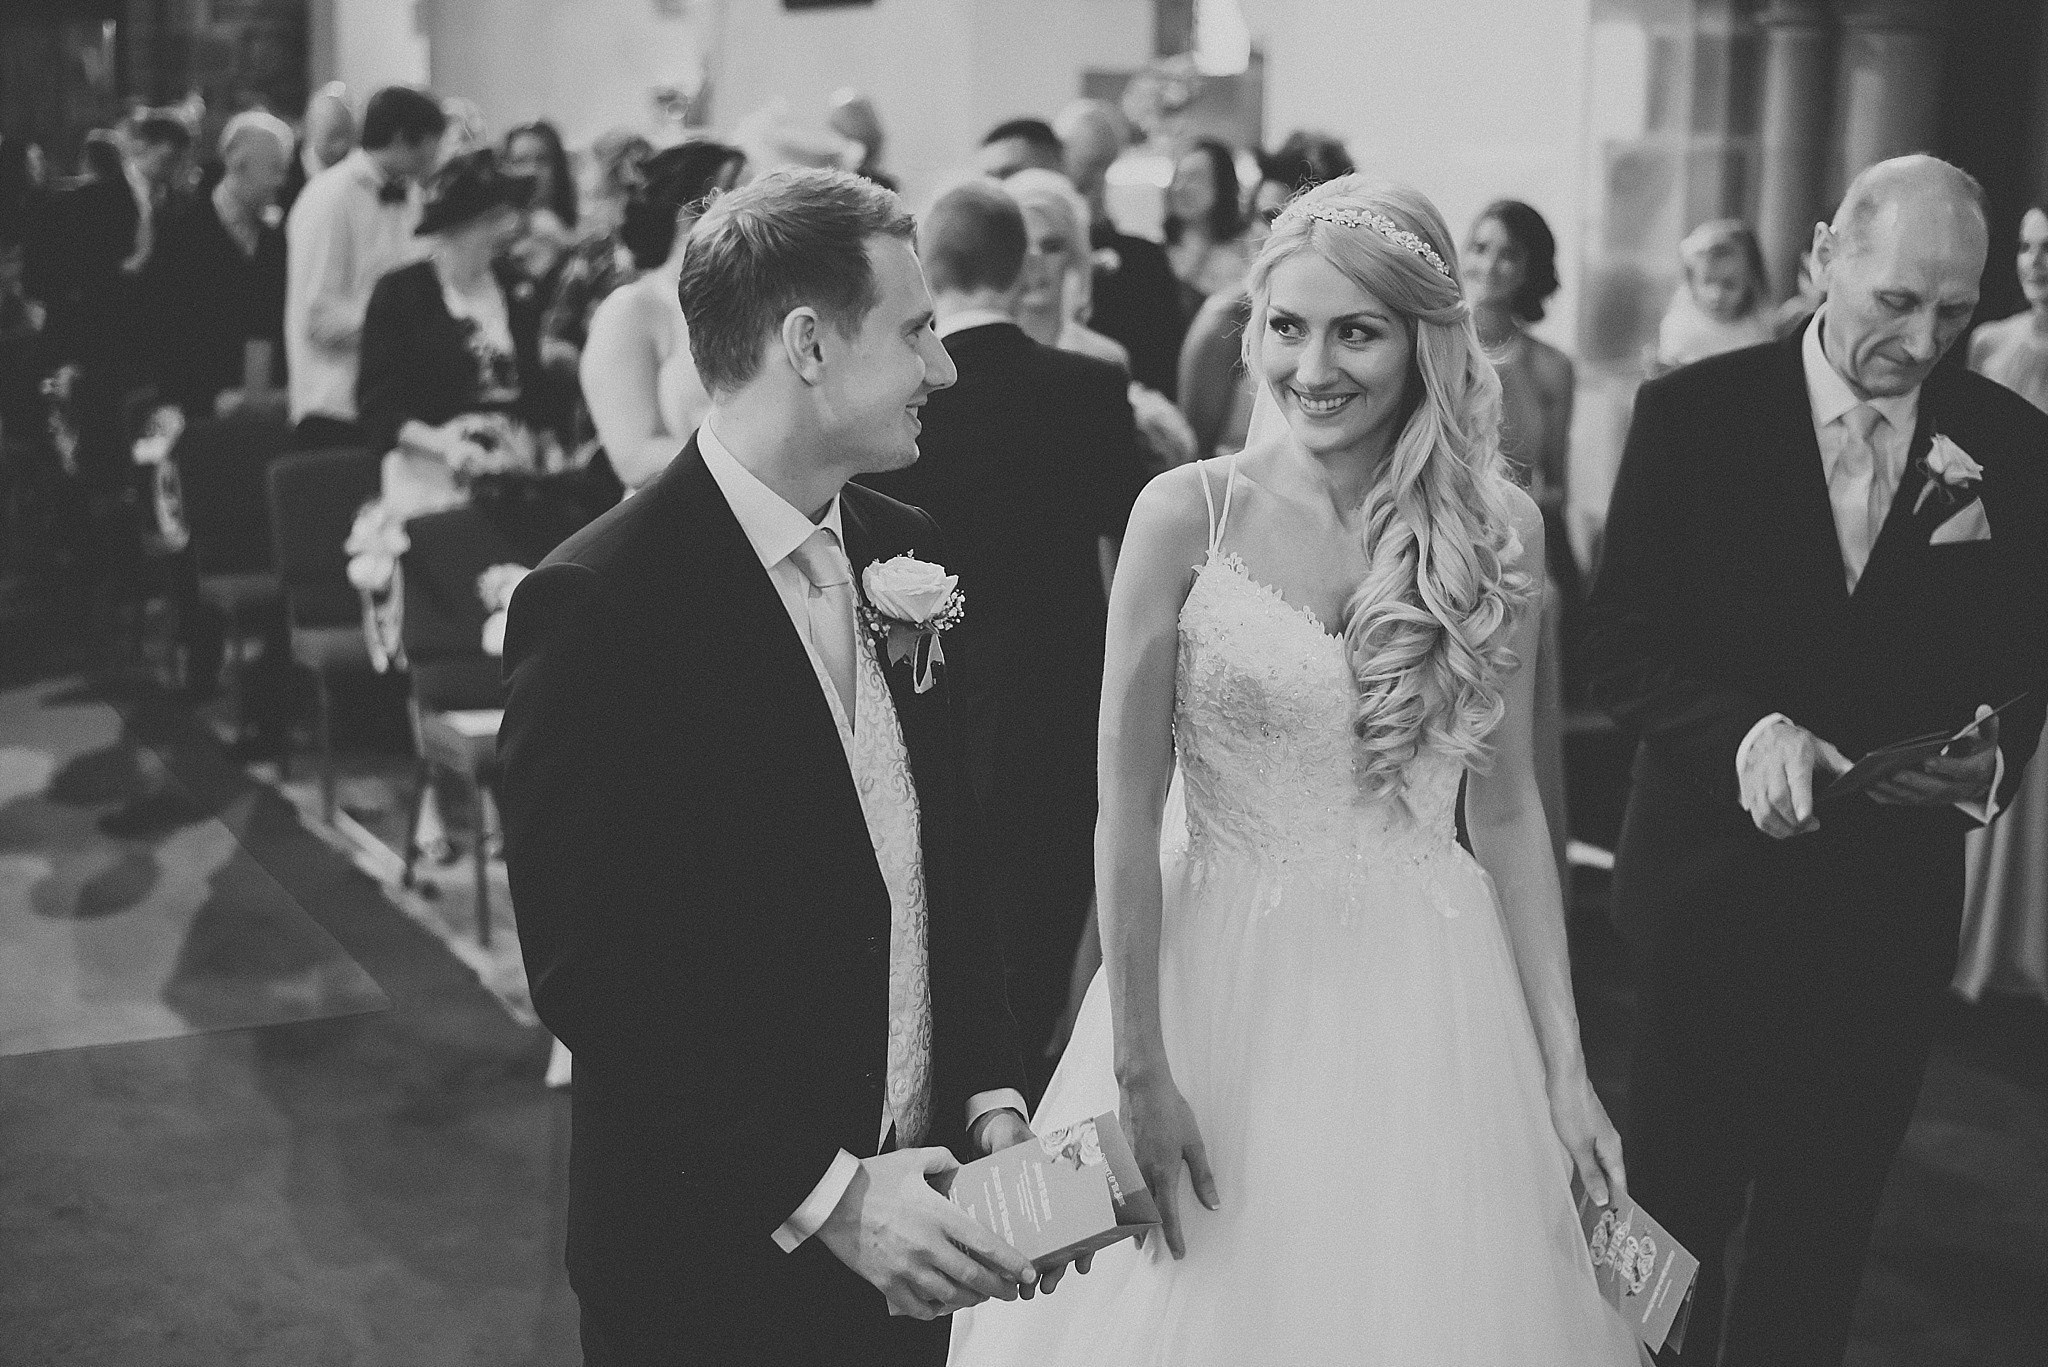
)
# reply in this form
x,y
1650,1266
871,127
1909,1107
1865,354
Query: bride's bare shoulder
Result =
x,y
1171,515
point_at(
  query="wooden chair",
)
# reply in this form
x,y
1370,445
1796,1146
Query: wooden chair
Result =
x,y
314,496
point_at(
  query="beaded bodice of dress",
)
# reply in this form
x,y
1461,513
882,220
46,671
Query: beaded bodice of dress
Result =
x,y
1263,709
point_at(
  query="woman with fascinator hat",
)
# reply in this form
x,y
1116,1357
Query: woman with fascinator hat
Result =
x,y
451,345
1344,1049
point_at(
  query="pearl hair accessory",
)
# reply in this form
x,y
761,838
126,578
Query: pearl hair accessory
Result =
x,y
1379,223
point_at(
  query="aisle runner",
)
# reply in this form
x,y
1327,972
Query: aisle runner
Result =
x,y
369,829
128,911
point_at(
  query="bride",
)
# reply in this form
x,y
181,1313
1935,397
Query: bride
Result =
x,y
1344,1049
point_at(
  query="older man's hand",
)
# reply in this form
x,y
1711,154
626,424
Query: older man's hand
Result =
x,y
1777,778
1964,773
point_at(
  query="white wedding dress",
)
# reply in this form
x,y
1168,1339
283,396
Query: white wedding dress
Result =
x,y
1342,1012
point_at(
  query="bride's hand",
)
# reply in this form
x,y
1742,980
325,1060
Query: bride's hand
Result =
x,y
1589,1136
1161,1127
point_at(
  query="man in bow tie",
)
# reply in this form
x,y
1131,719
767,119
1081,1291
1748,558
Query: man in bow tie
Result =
x,y
1816,547
744,853
353,223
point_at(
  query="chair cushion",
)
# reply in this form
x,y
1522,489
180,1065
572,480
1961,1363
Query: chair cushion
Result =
x,y
466,742
324,648
237,592
314,496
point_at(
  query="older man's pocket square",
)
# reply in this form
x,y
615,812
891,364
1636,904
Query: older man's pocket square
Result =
x,y
1969,524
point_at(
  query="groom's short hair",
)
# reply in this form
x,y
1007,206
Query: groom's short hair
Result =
x,y
794,237
973,238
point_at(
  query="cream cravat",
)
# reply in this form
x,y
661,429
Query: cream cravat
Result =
x,y
829,600
1858,490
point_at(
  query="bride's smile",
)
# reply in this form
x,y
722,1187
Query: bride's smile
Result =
x,y
1336,357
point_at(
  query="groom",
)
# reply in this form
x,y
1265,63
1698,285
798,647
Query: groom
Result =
x,y
742,854
1816,546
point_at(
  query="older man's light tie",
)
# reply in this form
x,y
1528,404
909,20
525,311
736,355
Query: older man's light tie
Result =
x,y
829,600
1859,490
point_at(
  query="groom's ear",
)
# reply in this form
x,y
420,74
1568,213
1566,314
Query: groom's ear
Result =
x,y
803,344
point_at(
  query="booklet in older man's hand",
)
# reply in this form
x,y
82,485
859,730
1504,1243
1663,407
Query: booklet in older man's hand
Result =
x,y
1887,760
1060,1195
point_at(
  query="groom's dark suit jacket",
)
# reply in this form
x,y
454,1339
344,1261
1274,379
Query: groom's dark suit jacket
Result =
x,y
704,923
1789,989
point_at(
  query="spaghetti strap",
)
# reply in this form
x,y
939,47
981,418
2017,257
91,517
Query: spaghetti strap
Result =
x,y
1216,524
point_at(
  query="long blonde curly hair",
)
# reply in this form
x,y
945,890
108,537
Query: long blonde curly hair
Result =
x,y
1428,628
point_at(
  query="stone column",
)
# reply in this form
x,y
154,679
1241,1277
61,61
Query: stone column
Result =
x,y
1799,65
1888,96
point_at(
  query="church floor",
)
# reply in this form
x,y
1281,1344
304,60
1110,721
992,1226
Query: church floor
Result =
x,y
319,1140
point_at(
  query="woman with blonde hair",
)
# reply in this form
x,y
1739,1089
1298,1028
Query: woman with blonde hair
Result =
x,y
1343,1048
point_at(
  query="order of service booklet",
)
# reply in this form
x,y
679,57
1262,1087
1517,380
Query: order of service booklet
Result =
x,y
1887,760
1643,1272
1060,1195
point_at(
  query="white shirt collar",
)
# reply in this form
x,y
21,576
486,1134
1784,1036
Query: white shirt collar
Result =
x,y
773,525
970,318
1831,395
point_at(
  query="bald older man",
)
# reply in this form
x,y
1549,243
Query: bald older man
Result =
x,y
1816,547
330,135
215,283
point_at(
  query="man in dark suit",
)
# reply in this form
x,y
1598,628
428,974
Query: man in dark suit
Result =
x,y
1816,546
1031,463
744,861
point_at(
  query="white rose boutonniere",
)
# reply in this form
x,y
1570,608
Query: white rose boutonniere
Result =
x,y
908,604
1952,476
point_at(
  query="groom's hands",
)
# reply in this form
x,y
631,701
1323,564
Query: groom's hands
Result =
x,y
923,1253
1776,775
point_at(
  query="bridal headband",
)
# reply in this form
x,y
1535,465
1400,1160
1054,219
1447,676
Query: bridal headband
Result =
x,y
1379,223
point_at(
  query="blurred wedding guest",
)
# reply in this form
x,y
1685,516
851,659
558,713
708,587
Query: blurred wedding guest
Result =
x,y
1028,463
2005,906
159,164
1136,298
852,116
1052,304
447,340
467,129
353,222
601,261
1014,144
88,230
1216,390
534,151
1723,302
638,377
1205,240
327,135
1510,270
214,288
1790,316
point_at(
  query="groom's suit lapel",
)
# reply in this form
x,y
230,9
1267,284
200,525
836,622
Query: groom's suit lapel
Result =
x,y
735,616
